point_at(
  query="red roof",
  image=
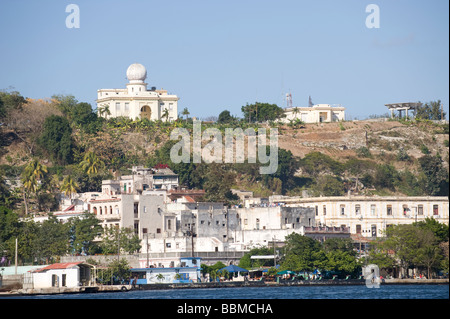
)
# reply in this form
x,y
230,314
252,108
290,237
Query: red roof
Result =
x,y
59,266
71,207
189,199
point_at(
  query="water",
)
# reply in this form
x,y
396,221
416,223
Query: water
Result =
x,y
292,292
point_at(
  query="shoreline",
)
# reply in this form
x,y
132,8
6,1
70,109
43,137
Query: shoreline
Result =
x,y
205,285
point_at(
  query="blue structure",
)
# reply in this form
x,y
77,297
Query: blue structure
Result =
x,y
187,273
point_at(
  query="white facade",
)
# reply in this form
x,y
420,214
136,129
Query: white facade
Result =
x,y
136,101
318,113
70,275
143,213
369,216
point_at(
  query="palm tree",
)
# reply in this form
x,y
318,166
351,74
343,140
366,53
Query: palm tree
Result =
x,y
69,186
91,164
32,173
165,114
104,108
185,112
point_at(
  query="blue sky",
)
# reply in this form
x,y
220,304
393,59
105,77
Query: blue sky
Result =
x,y
218,55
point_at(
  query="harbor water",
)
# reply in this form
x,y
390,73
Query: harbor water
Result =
x,y
292,292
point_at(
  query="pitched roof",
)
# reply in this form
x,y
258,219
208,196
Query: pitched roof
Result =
x,y
58,266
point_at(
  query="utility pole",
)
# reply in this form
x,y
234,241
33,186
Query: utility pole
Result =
x,y
15,270
274,255
118,245
147,250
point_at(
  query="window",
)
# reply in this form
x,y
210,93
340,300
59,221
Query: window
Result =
x,y
374,230
144,230
373,210
405,209
317,210
171,106
136,210
389,210
169,224
158,230
435,210
324,210
357,209
358,229
117,106
127,106
342,210
420,210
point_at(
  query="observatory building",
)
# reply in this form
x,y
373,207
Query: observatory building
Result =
x,y
136,101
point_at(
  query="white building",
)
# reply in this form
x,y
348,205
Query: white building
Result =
x,y
143,213
369,216
69,275
136,101
317,113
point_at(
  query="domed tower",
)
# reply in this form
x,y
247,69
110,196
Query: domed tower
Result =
x,y
136,74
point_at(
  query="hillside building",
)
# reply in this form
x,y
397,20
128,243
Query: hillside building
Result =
x,y
318,113
136,101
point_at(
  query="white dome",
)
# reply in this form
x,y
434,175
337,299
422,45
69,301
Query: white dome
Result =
x,y
136,73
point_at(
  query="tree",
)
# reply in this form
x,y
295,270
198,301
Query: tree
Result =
x,y
434,175
247,263
10,102
32,173
57,140
260,112
91,164
412,246
83,232
69,186
52,240
165,114
328,186
104,109
225,117
302,253
430,111
185,113
119,240
218,181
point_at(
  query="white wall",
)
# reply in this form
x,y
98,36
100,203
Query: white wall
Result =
x,y
44,279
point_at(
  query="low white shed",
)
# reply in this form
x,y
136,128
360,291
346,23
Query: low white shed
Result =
x,y
73,274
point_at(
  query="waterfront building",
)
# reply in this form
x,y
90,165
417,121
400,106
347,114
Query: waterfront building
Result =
x,y
136,101
370,216
187,271
69,275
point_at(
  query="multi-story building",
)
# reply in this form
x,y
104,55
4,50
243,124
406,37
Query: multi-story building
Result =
x,y
142,179
136,101
369,216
